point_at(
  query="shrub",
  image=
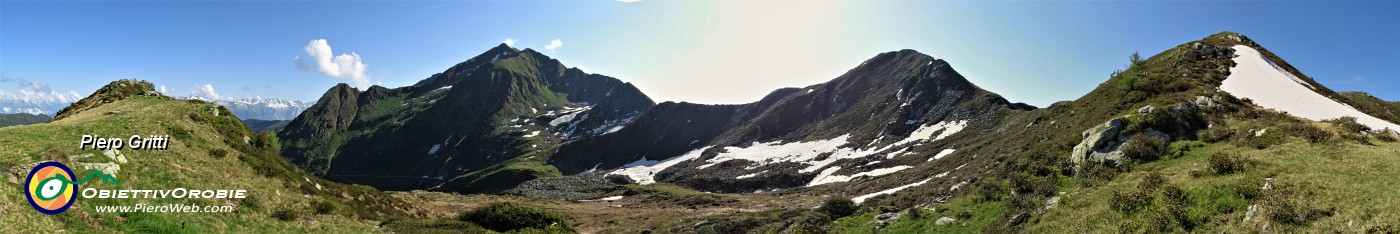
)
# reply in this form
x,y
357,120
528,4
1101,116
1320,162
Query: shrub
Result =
x,y
505,216
1284,210
1128,203
989,190
1348,124
838,207
1095,174
286,214
1246,190
251,203
1144,147
1386,135
1151,182
1309,132
1175,196
218,153
1263,140
325,207
1226,163
1215,134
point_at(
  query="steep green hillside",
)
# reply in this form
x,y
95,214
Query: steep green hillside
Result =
x,y
1080,166
208,149
258,125
22,119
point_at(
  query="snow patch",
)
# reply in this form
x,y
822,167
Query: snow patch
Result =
x,y
765,153
861,198
826,176
435,148
564,119
749,175
942,154
942,129
644,171
1269,86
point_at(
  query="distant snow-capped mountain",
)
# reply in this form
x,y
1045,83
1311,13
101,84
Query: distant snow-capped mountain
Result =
x,y
259,108
34,102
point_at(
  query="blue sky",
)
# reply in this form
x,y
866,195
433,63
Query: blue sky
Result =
x,y
697,51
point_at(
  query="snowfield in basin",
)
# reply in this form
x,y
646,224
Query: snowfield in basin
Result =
x,y
1270,86
815,154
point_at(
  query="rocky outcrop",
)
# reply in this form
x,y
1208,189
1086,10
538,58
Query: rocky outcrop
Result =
x,y
1100,143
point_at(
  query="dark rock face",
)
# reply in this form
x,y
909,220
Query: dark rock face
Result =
x,y
475,115
876,104
664,131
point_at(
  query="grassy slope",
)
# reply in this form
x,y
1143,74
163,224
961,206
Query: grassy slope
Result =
x,y
190,163
1164,79
1338,182
1339,177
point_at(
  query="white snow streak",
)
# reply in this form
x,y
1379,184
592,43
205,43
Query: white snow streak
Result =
x,y
862,198
826,176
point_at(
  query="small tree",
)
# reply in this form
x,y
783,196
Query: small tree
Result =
x,y
1135,59
838,207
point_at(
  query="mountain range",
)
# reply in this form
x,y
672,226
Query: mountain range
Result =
x,y
1213,135
902,122
259,108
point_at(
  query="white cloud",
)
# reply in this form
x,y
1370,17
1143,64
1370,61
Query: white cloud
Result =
x,y
509,42
344,66
36,92
205,91
33,97
555,44
163,90
584,69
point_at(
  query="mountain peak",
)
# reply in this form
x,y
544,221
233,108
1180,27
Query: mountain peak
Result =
x,y
115,91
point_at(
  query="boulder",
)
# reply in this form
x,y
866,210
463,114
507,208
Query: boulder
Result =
x,y
115,155
945,220
1099,144
1019,219
1146,109
1049,204
1204,102
106,168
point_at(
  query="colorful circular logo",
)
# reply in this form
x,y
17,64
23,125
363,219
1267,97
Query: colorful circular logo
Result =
x,y
49,189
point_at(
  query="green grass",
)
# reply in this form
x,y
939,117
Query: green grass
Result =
x,y
1336,177
252,166
971,217
536,166
671,193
